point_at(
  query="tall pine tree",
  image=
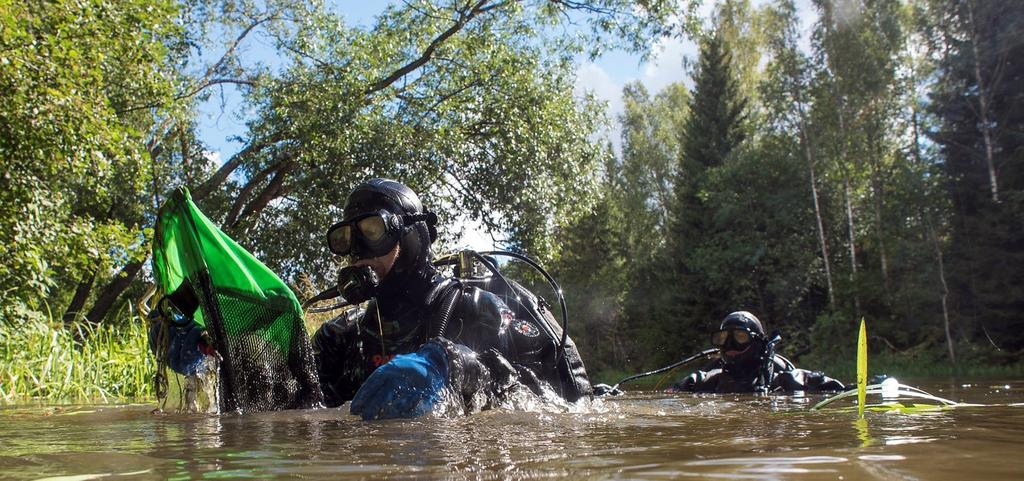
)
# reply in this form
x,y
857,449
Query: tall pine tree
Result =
x,y
710,135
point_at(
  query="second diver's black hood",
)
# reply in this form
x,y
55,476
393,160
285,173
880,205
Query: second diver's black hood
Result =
x,y
743,320
748,363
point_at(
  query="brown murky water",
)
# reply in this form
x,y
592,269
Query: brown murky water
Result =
x,y
639,436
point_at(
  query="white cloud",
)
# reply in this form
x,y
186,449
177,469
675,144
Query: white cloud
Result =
x,y
666,64
213,156
592,78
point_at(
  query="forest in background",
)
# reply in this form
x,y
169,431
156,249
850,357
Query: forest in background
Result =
x,y
873,172
871,168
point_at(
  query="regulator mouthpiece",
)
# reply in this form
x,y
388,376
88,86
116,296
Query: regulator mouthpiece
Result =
x,y
357,284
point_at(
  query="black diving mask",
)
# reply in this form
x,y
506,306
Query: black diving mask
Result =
x,y
372,235
740,337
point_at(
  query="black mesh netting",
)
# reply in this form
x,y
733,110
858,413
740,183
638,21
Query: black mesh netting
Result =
x,y
267,359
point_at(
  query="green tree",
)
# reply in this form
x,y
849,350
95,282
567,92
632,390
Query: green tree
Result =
x,y
469,102
978,101
592,272
72,76
711,133
786,100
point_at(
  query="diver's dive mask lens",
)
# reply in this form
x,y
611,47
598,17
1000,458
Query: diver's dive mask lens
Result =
x,y
376,233
740,337
373,234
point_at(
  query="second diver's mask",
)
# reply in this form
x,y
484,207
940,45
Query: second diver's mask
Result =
x,y
740,338
734,337
738,346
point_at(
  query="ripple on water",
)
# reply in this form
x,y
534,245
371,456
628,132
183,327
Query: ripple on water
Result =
x,y
637,436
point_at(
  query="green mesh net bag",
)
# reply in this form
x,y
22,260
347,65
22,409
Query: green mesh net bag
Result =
x,y
253,319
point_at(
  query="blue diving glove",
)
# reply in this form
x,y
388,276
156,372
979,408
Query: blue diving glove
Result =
x,y
406,387
183,352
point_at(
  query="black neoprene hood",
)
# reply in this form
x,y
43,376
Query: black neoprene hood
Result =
x,y
375,194
743,320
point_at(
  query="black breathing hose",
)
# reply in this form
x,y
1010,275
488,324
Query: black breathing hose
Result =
x,y
535,265
445,314
330,293
700,355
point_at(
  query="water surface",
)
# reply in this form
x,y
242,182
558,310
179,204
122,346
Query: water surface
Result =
x,y
638,436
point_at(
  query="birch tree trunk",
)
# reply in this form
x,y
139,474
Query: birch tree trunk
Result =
x,y
983,106
878,192
853,247
945,287
851,231
822,244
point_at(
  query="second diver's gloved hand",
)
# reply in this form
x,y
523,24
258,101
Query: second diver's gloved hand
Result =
x,y
606,390
406,387
185,346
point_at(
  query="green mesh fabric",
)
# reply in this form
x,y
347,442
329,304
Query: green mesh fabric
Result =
x,y
253,318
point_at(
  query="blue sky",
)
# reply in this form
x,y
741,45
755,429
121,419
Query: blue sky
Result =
x,y
222,117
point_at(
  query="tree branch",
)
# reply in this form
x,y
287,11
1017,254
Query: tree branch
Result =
x,y
464,18
207,79
243,196
212,70
216,81
225,170
272,191
109,294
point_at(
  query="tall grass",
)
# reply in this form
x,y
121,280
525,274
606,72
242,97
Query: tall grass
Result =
x,y
42,361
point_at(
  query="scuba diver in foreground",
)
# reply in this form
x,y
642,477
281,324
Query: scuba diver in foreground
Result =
x,y
747,363
423,341
423,336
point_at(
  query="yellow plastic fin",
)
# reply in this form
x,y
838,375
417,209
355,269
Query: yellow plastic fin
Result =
x,y
862,367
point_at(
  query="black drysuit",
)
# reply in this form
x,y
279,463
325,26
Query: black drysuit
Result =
x,y
717,377
493,348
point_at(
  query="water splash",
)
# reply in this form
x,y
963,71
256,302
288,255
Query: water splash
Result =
x,y
193,394
518,398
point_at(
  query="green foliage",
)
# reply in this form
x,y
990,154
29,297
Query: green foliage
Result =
x,y
717,110
592,272
471,103
710,137
978,101
829,204
71,73
43,360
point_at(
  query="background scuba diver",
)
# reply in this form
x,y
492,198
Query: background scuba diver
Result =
x,y
748,363
421,333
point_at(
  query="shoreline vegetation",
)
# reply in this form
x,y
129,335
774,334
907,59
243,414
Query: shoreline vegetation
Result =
x,y
44,361
41,362
891,364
